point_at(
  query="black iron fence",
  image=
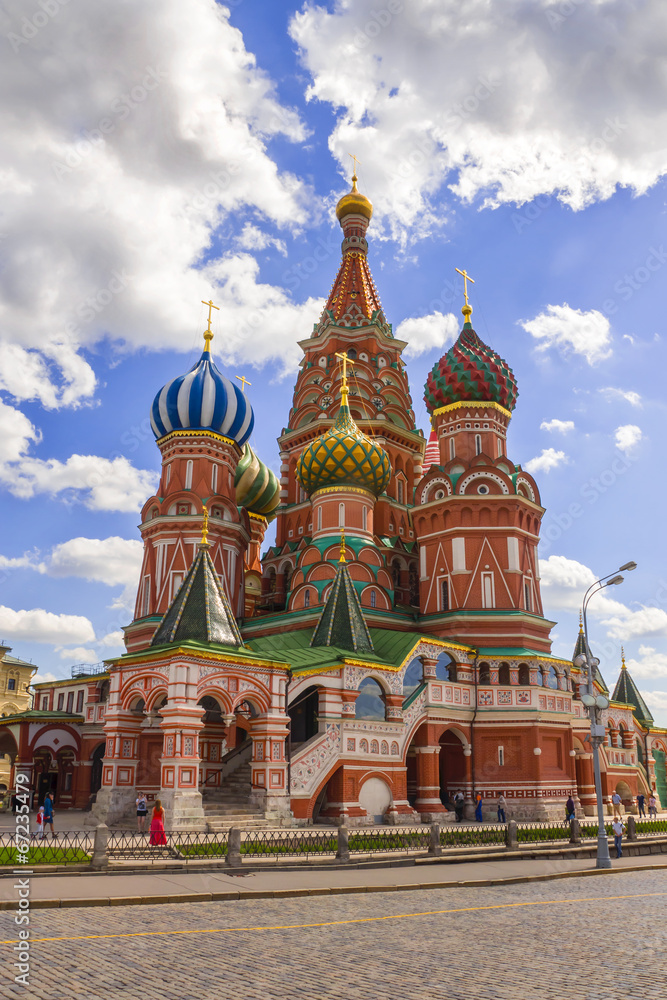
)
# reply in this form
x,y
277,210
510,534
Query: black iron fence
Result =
x,y
236,847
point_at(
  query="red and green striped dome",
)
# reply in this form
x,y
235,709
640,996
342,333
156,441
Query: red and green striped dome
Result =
x,y
470,372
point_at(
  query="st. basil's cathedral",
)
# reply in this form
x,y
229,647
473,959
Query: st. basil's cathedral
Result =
x,y
387,651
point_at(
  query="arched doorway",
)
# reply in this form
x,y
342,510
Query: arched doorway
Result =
x,y
370,701
303,713
212,741
452,767
149,777
96,769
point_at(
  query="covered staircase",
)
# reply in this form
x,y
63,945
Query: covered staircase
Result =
x,y
229,805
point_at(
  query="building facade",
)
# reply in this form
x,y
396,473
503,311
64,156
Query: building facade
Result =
x,y
388,650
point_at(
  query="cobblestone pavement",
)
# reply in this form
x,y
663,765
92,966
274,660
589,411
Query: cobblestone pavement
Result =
x,y
584,938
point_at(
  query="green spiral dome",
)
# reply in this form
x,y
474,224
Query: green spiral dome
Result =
x,y
344,456
257,488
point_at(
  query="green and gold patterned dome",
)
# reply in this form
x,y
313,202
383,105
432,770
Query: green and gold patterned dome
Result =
x,y
257,488
344,456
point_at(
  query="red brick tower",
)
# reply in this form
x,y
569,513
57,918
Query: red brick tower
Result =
x,y
477,514
379,402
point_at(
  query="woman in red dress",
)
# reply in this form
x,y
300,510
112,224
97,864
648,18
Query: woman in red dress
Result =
x,y
158,836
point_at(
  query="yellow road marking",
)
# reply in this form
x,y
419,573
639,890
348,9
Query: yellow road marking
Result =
x,y
340,923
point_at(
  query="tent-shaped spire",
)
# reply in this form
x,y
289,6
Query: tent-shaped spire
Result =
x,y
581,646
342,622
627,693
200,611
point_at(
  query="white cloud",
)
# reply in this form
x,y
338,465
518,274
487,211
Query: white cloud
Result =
x,y
38,625
253,238
116,178
640,624
425,333
631,397
111,560
16,434
549,459
627,438
565,581
572,330
557,426
649,664
79,655
499,105
656,700
112,640
98,483
40,678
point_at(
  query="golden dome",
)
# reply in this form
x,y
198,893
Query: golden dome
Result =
x,y
354,203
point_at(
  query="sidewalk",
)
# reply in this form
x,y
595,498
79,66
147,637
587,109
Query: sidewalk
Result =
x,y
82,889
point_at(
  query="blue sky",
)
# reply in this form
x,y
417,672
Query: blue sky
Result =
x,y
154,157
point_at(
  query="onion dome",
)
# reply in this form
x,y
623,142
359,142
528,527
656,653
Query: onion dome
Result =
x,y
203,400
344,456
354,203
257,488
432,453
470,372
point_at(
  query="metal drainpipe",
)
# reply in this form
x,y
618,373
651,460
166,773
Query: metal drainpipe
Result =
x,y
472,727
289,742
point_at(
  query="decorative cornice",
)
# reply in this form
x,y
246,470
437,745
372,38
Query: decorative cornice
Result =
x,y
467,404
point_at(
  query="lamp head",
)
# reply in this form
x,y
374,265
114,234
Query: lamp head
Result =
x,y
602,702
579,661
588,700
627,567
615,580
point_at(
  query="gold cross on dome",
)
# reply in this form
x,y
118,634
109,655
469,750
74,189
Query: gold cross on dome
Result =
x,y
354,175
466,279
204,527
208,334
344,359
244,381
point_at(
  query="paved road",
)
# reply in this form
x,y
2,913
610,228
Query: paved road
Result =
x,y
536,940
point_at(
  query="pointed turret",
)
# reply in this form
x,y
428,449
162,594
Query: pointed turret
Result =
x,y
342,622
582,647
200,611
627,692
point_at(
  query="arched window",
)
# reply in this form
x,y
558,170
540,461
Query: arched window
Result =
x,y
341,515
400,491
444,595
370,701
413,676
444,666
552,678
214,478
352,353
484,673
373,599
167,475
504,673
621,730
452,447
189,465
478,444
364,518
396,573
540,678
306,599
319,518
524,674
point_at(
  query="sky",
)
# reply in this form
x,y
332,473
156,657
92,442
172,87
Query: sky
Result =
x,y
157,153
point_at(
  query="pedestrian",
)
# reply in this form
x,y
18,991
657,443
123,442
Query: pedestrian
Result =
x,y
618,828
569,809
617,803
158,837
652,806
640,804
478,807
15,802
48,814
39,823
142,811
502,806
459,804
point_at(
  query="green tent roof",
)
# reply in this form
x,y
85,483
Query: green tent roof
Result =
x,y
626,691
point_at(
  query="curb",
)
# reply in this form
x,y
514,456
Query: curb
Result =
x,y
241,894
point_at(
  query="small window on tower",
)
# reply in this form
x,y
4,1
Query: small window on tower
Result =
x,y
400,491
373,599
444,595
11,684
452,448
79,702
189,466
478,444
526,591
306,599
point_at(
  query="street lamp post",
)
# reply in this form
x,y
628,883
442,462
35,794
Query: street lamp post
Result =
x,y
595,705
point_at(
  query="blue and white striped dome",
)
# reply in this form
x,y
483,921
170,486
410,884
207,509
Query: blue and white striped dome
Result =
x,y
203,400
